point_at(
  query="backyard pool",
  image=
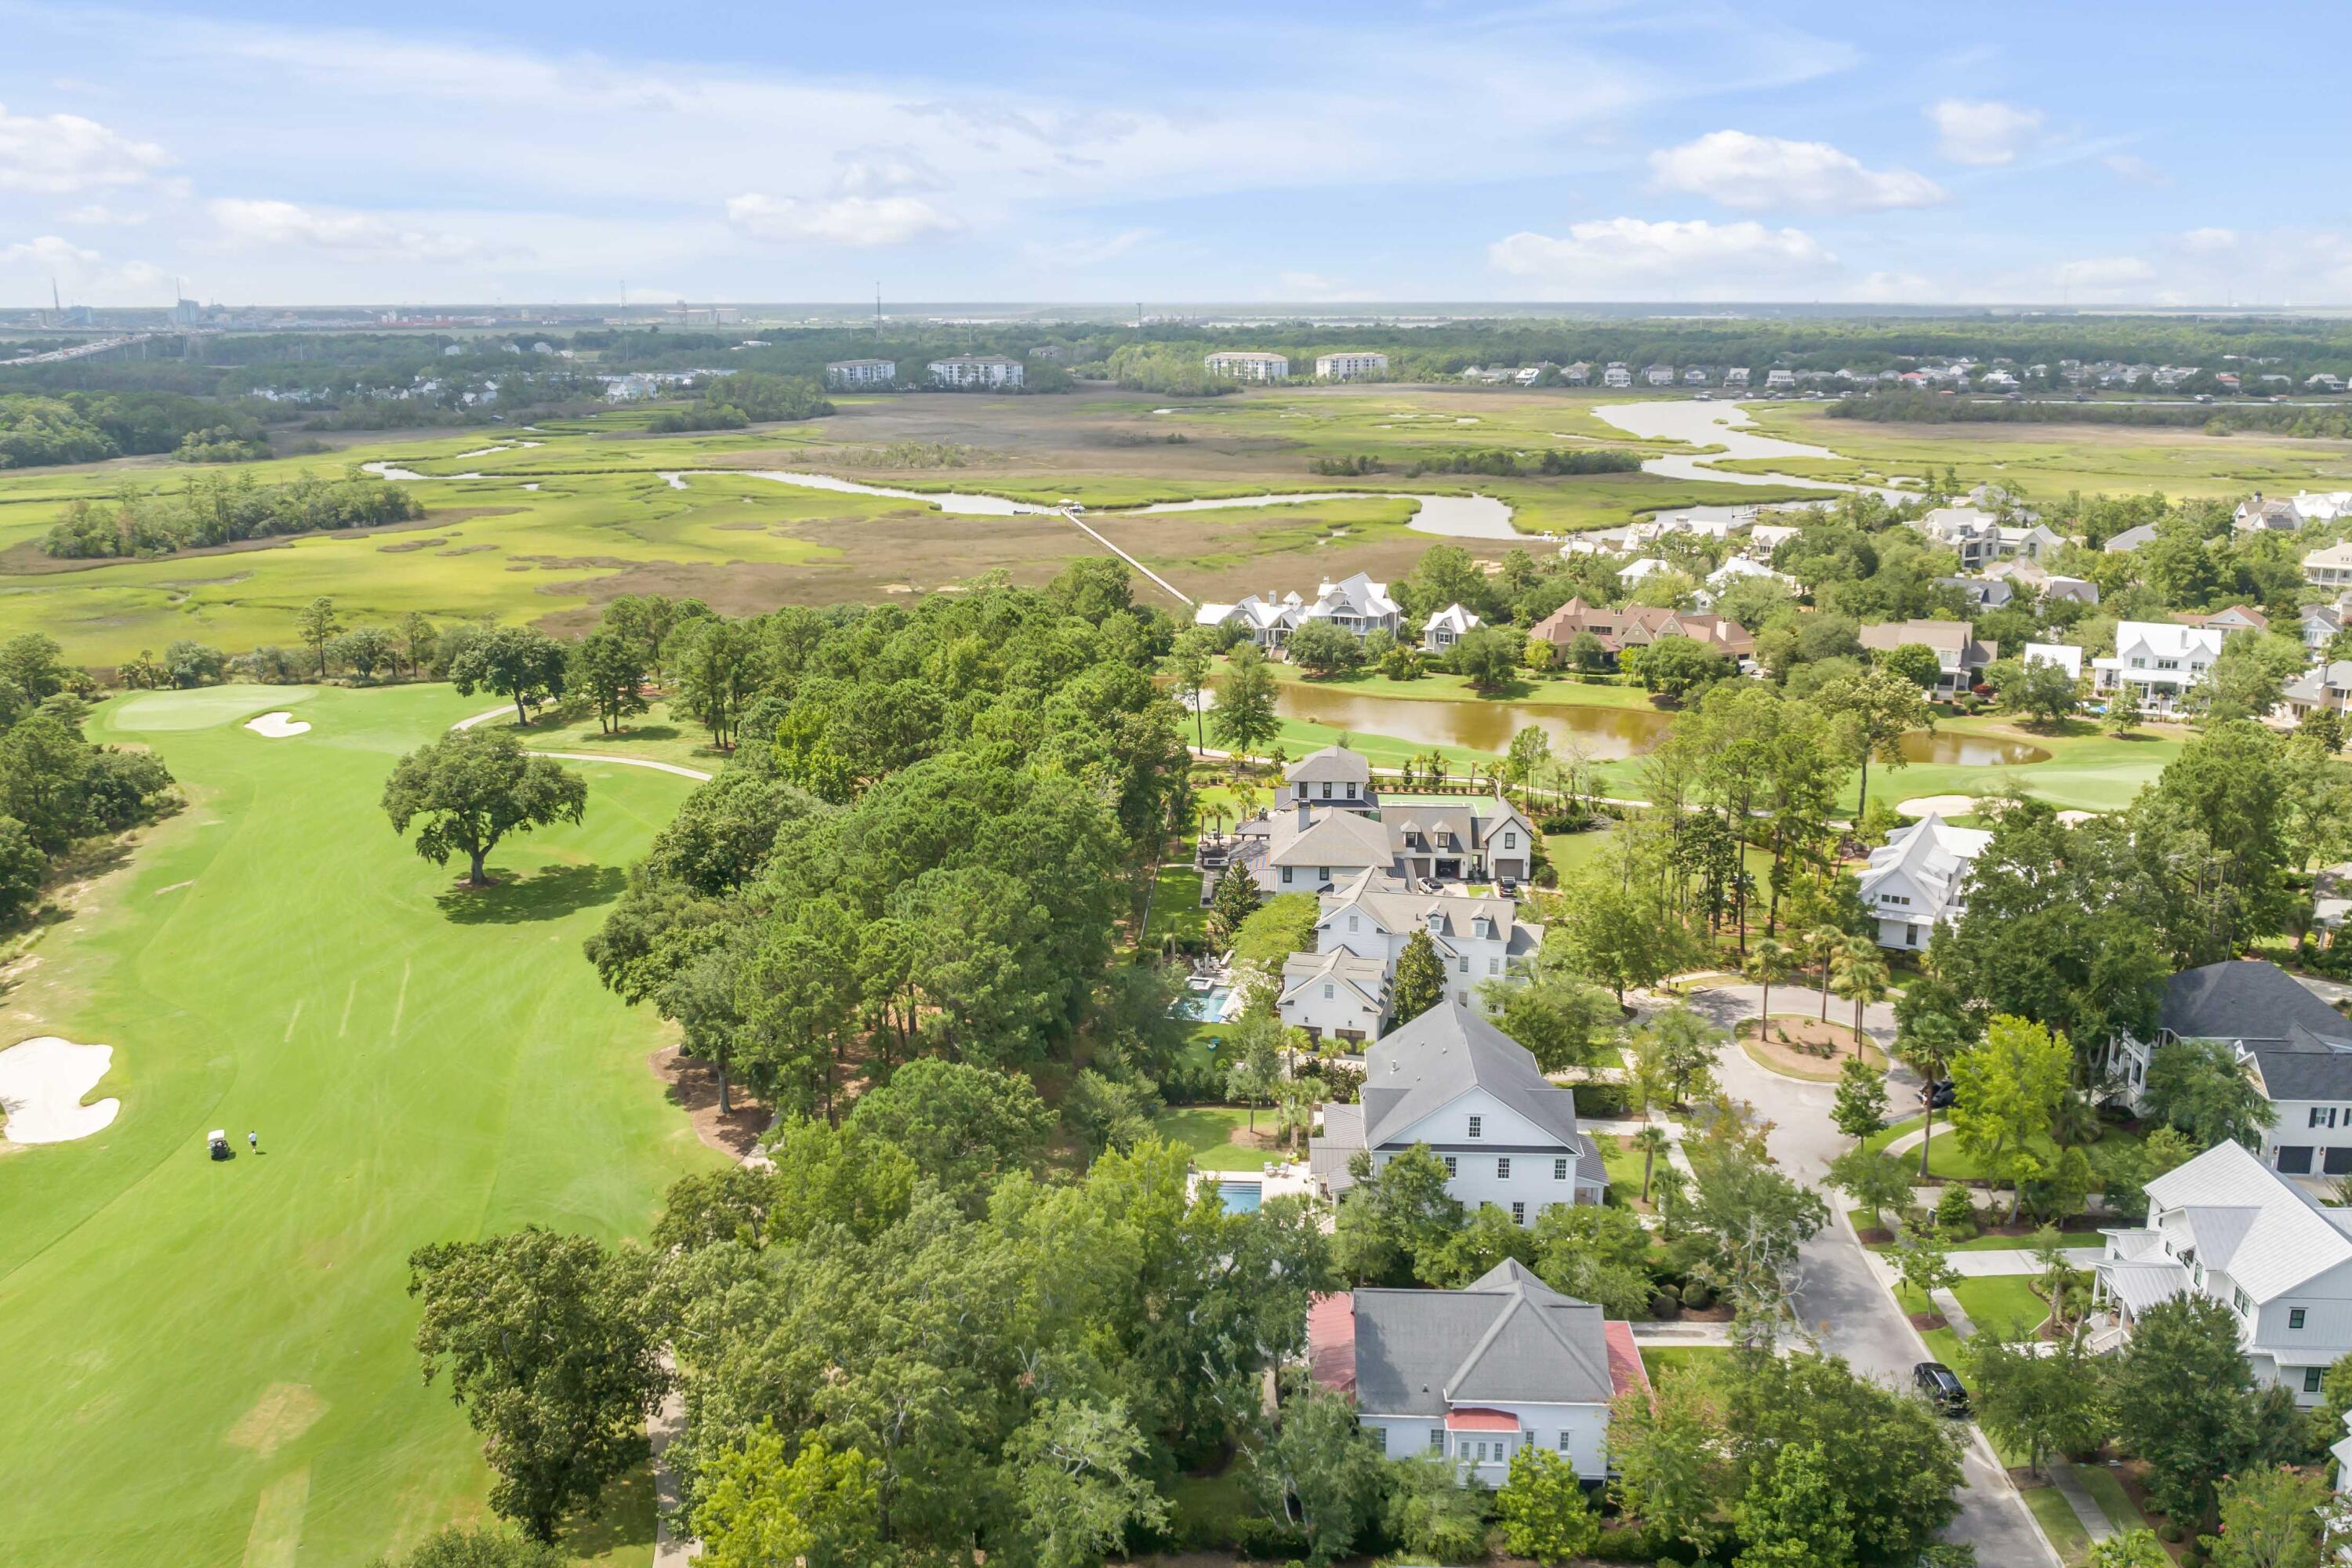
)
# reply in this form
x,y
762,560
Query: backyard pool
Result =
x,y
1239,1197
1205,1006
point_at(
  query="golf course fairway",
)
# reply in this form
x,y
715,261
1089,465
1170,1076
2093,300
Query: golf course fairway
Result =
x,y
210,1363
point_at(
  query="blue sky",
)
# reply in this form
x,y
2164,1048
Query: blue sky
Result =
x,y
2089,152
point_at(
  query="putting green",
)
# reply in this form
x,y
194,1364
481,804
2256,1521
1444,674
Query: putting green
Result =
x,y
210,1363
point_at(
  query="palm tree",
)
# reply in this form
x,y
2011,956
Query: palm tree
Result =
x,y
1652,1141
1821,941
1769,962
1860,975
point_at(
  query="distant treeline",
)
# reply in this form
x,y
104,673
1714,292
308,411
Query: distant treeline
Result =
x,y
88,427
731,402
216,511
1936,408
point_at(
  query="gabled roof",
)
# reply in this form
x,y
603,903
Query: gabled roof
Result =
x,y
1366,978
1336,764
1505,1339
1432,1061
2236,1000
1335,839
1932,853
1454,618
2276,1236
1887,636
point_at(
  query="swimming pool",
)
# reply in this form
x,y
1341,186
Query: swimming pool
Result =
x,y
1239,1197
1205,1006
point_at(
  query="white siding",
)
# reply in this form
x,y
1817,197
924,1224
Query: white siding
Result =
x,y
1585,1428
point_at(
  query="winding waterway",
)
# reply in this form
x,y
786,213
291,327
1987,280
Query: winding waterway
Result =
x,y
1724,424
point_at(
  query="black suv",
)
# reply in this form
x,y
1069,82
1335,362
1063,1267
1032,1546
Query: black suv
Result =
x,y
1941,1387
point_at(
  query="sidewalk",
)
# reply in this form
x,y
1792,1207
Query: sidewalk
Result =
x,y
2068,1485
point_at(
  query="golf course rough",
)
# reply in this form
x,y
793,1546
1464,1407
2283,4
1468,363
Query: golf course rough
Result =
x,y
211,1362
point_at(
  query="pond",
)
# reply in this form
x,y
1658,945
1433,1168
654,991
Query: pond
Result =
x,y
1970,750
1605,734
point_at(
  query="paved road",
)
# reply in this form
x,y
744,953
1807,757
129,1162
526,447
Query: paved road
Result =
x,y
1838,1295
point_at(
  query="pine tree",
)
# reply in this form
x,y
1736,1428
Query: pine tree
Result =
x,y
1235,899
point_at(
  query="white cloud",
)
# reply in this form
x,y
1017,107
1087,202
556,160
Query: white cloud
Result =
x,y
2132,167
2211,239
839,220
59,154
1610,257
1756,173
98,215
1983,131
357,235
885,172
83,274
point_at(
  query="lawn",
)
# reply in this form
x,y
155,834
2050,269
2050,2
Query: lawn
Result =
x,y
1947,1160
2058,1523
211,1363
2108,1490
1625,1167
1207,1131
1702,1359
1176,909
2072,1240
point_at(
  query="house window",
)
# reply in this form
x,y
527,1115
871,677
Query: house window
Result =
x,y
1351,925
1563,1442
1285,876
1329,992
1477,1123
2311,1379
1327,792
2314,1114
1494,966
1437,1440
1322,873
1518,1214
1461,964
2238,1298
1559,1170
1381,1440
1502,1170
1449,1165
1351,790
2294,1316
1510,841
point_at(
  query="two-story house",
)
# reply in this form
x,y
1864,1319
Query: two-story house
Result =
x,y
2156,661
1370,920
1333,776
1458,839
1445,628
1475,1374
2226,1227
1455,1082
1919,878
2295,1047
1355,603
1980,538
1959,657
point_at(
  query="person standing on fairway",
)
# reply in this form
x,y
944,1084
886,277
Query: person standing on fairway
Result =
x,y
255,1139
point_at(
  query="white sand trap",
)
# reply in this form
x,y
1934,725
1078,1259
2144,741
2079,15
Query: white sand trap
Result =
x,y
276,726
1939,805
41,1085
2075,818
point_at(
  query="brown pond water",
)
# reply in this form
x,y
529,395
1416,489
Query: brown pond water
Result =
x,y
1606,734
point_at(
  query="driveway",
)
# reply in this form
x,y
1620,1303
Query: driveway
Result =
x,y
1837,1294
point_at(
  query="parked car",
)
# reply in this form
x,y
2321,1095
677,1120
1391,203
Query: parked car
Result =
x,y
1942,1387
1508,886
1938,1095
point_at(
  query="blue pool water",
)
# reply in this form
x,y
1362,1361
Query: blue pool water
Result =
x,y
1240,1197
1204,1006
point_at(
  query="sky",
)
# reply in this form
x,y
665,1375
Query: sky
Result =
x,y
262,152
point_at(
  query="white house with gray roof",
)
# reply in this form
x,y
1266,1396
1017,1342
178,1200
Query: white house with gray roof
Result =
x,y
1450,1080
2226,1227
1476,1375
1918,878
1367,920
1333,776
2295,1047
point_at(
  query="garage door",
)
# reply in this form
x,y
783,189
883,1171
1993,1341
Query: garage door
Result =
x,y
2294,1160
2337,1161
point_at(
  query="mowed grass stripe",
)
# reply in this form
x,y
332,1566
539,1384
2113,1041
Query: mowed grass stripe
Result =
x,y
177,1336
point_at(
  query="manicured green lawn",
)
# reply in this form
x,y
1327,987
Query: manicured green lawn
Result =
x,y
2001,1303
1625,1166
2108,1490
1207,1131
1948,1161
1176,907
2058,1521
211,1363
2072,1240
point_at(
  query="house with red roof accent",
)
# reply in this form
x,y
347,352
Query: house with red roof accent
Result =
x,y
1476,1375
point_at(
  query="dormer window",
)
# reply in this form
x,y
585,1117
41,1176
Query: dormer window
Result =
x,y
1478,1124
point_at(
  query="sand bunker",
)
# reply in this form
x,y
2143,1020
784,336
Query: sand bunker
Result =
x,y
1939,805
41,1085
276,726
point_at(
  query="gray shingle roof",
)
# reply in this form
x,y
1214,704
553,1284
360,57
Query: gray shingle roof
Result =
x,y
2235,1000
1336,764
2307,1066
1414,1069
1508,1337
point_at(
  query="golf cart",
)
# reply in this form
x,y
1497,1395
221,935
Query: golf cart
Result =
x,y
218,1140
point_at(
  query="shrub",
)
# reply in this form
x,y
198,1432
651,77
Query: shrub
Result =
x,y
1697,1295
1956,1212
1603,1101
